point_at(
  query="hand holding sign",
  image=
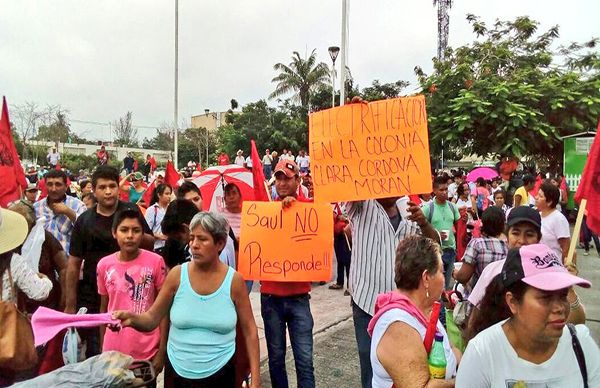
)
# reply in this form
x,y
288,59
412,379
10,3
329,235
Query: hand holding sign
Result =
x,y
286,244
376,150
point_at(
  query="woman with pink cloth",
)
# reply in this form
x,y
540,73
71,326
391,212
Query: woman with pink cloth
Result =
x,y
401,317
130,279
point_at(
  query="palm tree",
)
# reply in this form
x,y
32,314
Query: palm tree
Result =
x,y
301,76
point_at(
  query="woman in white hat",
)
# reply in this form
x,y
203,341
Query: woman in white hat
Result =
x,y
13,268
15,271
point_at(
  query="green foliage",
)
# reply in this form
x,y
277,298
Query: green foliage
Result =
x,y
274,128
302,77
78,162
378,91
163,140
509,93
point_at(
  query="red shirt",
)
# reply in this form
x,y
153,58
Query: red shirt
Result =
x,y
286,288
223,160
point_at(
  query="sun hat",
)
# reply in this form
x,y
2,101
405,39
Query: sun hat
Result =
x,y
31,187
538,266
13,230
288,167
524,214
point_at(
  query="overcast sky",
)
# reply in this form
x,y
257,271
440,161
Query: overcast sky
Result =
x,y
100,59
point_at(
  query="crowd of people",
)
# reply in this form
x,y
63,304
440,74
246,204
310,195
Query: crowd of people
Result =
x,y
147,253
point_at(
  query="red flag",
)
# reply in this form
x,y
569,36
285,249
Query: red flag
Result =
x,y
58,167
258,177
171,175
11,171
589,185
149,192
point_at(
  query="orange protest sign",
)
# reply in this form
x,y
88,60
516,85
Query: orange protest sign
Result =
x,y
287,245
375,150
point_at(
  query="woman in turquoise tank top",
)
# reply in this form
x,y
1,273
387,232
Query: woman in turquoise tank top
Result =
x,y
204,299
135,189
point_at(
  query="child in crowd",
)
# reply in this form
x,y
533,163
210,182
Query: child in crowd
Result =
x,y
130,279
89,199
500,201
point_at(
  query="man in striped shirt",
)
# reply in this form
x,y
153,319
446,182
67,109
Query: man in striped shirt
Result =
x,y
59,209
377,228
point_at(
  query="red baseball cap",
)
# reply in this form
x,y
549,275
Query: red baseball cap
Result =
x,y
288,167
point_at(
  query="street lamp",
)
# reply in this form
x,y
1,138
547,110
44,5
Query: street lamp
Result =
x,y
333,53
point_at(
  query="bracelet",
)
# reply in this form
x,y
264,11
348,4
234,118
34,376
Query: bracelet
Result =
x,y
576,304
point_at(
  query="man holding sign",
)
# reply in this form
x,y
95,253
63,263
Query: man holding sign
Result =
x,y
287,303
373,154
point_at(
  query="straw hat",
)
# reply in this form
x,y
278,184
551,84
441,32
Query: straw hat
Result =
x,y
13,230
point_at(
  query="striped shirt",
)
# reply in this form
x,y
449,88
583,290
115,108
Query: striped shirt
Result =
x,y
482,251
374,251
60,226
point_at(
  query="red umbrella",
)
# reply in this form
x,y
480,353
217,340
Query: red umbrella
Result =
x,y
213,180
482,172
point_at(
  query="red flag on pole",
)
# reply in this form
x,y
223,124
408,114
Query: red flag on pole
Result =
x,y
589,185
258,176
171,175
11,171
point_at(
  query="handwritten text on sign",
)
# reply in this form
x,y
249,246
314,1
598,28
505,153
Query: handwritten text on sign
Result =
x,y
375,150
288,245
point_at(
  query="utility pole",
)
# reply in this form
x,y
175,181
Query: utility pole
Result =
x,y
175,112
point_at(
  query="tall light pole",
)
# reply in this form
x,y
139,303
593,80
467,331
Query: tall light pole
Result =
x,y
333,53
175,112
344,52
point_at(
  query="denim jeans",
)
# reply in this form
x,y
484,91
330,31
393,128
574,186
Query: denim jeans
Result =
x,y
294,312
267,171
448,258
363,340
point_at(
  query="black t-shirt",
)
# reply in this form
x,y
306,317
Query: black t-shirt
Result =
x,y
92,240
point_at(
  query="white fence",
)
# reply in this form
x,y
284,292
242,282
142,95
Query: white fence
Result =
x,y
573,181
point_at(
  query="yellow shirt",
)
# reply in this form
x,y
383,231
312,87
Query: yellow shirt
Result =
x,y
524,197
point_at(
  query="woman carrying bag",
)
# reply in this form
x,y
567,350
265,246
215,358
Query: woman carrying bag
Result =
x,y
17,351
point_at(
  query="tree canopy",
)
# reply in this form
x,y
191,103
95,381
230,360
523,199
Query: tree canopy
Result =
x,y
509,92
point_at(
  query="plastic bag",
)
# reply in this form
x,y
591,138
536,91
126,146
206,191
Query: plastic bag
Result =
x,y
109,369
454,333
73,350
32,247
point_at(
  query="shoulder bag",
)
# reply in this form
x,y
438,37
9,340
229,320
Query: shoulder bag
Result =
x,y
17,351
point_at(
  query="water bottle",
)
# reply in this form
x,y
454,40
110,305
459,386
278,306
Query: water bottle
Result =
x,y
437,358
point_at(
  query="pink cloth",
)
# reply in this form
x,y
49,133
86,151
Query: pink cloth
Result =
x,y
47,323
394,300
132,286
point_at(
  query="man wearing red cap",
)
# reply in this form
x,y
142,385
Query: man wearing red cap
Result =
x,y
287,303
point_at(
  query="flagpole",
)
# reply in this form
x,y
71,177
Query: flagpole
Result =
x,y
175,112
343,52
576,230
